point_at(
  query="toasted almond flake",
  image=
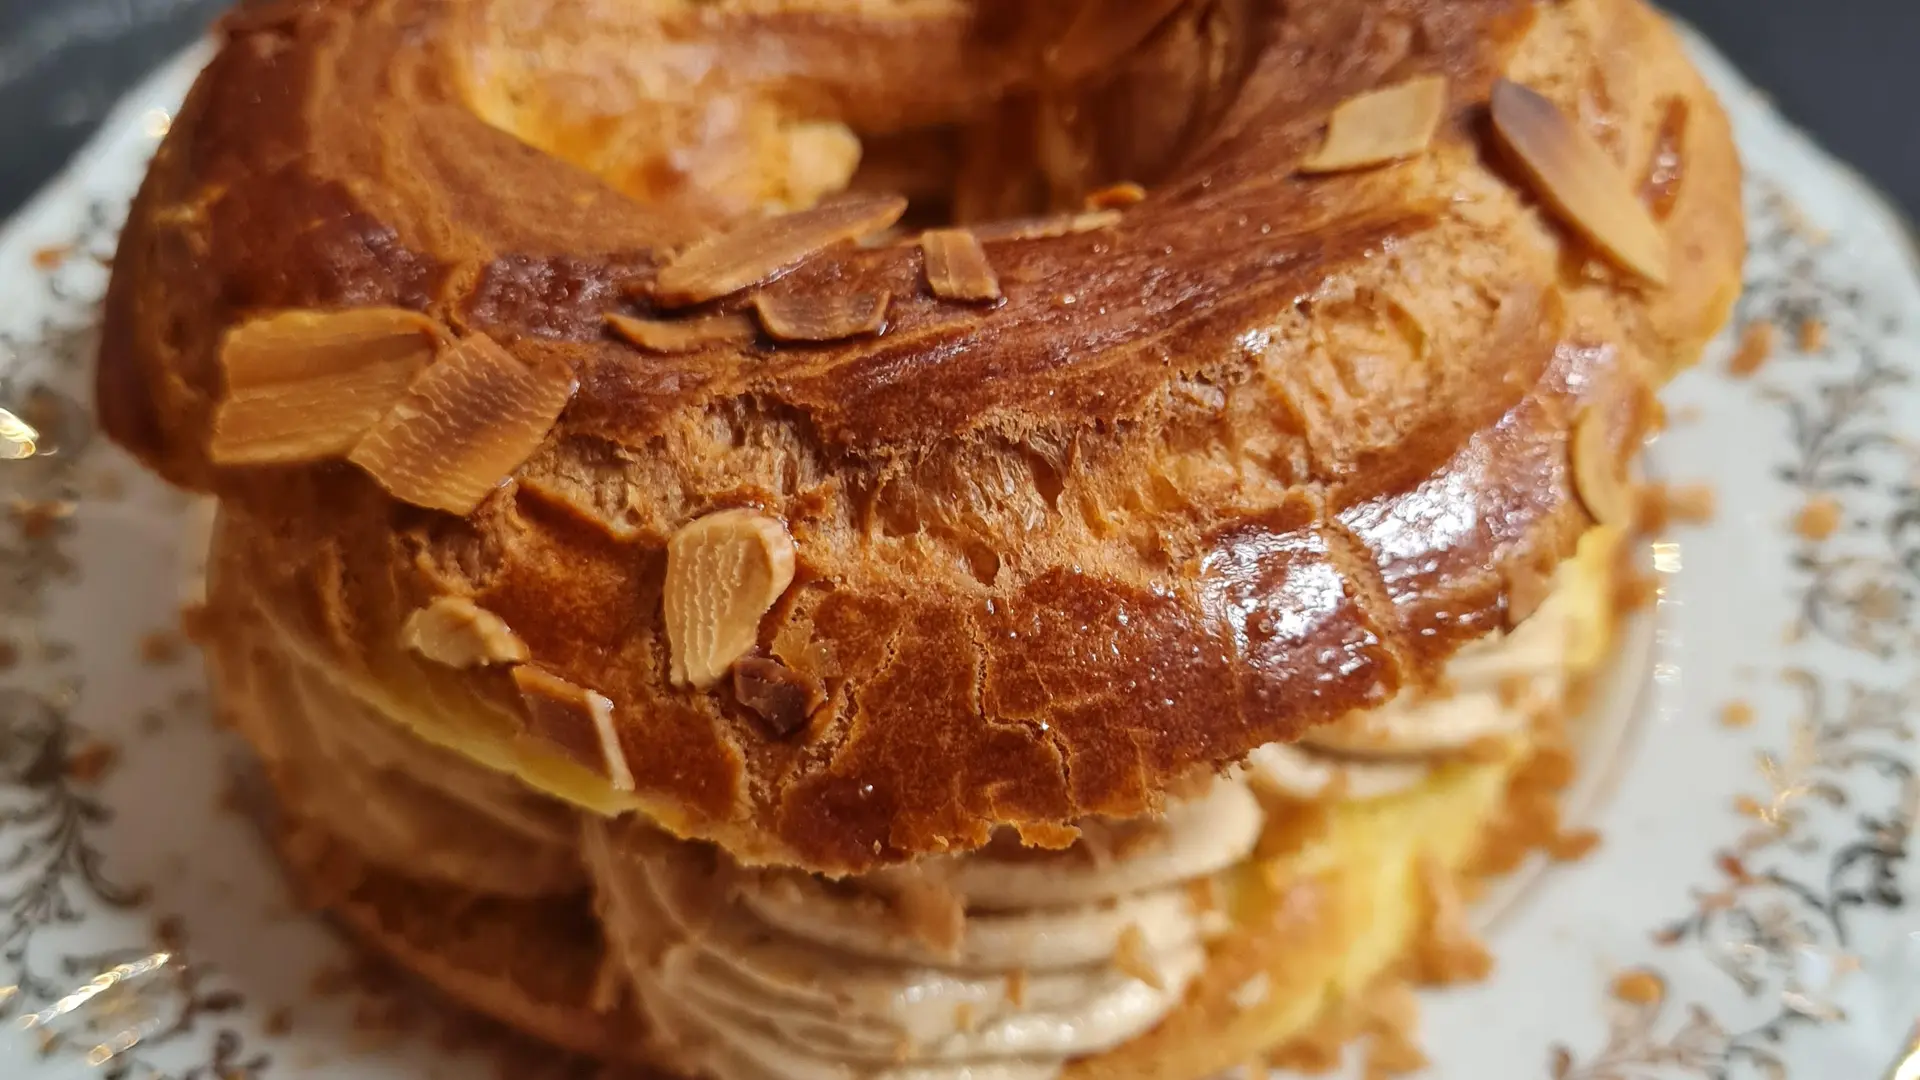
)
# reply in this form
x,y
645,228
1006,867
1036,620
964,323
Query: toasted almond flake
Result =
x,y
306,385
464,426
1577,178
1382,125
1116,196
561,713
1102,32
1736,714
724,572
684,335
957,266
1639,987
1756,347
1818,519
1667,166
761,249
1047,227
1131,958
18,439
1602,490
1253,993
459,633
780,696
800,317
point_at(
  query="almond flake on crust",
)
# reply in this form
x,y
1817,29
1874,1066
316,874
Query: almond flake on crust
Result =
x,y
558,710
1382,125
806,318
464,426
306,385
683,335
957,266
755,252
1579,181
724,572
459,633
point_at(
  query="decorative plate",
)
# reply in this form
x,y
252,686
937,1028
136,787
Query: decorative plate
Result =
x,y
1753,777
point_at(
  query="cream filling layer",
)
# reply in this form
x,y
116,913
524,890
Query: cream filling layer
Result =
x,y
1004,964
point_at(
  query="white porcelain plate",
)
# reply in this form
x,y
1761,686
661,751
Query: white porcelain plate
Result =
x,y
1745,916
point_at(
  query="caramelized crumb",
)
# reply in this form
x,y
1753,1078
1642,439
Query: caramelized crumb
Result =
x,y
1046,836
1130,958
1017,988
1812,335
1634,592
1755,349
196,623
1818,519
778,695
52,256
1638,987
1448,951
1736,714
1691,503
1731,866
1573,845
90,762
279,1022
9,654
161,647
1748,806
41,518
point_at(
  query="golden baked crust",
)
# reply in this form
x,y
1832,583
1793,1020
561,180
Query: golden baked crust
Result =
x,y
1261,451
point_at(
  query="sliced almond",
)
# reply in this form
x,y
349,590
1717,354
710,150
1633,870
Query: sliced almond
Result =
x,y
573,718
793,317
18,439
1602,489
1044,228
779,695
1577,178
758,250
684,335
464,425
1131,958
306,385
1381,125
724,572
459,633
1667,166
957,266
1102,32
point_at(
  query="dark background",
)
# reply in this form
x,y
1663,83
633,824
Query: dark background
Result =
x,y
1846,69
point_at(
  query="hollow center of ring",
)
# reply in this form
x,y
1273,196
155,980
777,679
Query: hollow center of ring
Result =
x,y
976,110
